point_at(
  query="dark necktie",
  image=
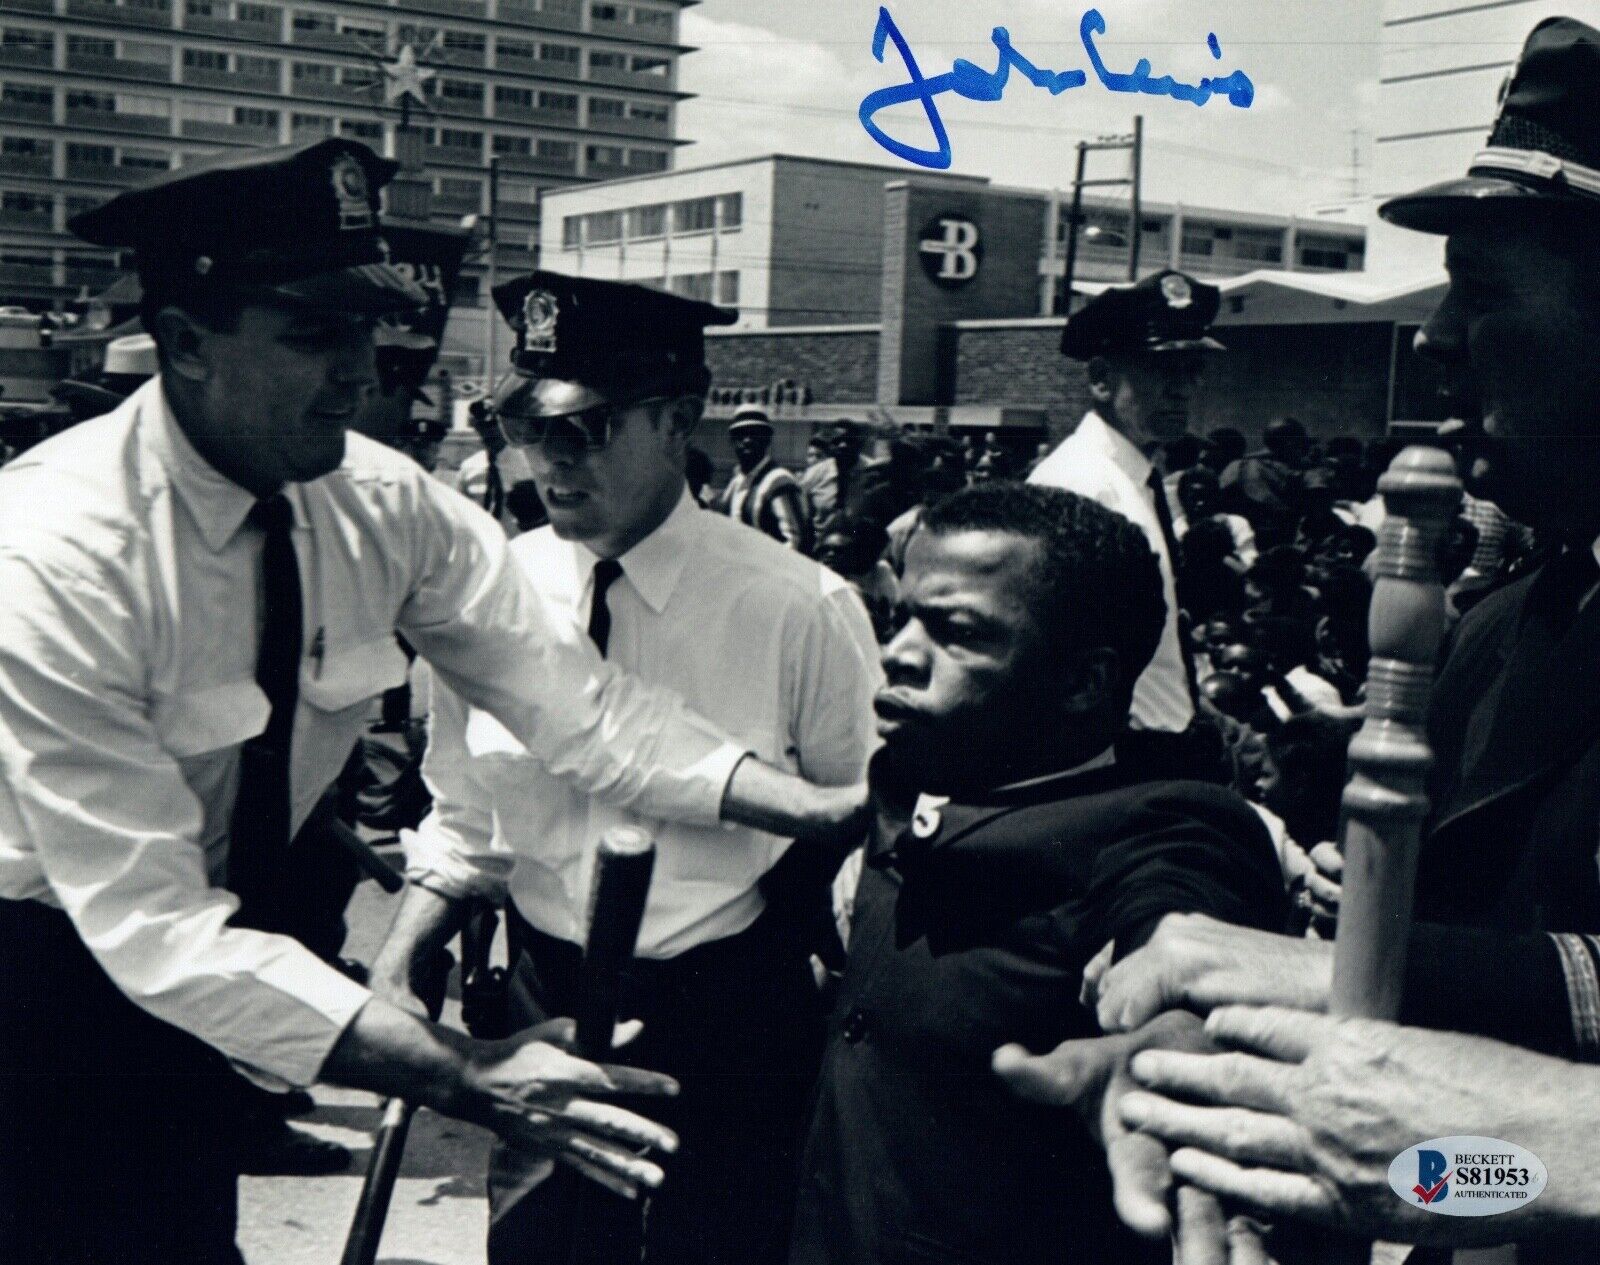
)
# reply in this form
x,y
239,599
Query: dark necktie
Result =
x,y
1158,493
606,573
261,813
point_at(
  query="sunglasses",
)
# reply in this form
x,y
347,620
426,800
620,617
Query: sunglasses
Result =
x,y
592,429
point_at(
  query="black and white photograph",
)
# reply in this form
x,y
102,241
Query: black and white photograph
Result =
x,y
865,632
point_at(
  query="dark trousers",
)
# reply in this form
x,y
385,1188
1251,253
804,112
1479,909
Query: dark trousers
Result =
x,y
109,1153
739,1023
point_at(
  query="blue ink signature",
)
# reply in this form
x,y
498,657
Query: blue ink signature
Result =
x,y
977,84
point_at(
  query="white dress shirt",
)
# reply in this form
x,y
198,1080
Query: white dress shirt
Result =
x,y
768,644
128,640
1097,462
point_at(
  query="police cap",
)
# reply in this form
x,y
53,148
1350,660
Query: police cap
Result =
x,y
1168,311
299,222
1544,150
582,342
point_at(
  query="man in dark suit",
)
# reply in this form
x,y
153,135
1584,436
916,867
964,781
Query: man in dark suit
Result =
x,y
1508,897
1019,834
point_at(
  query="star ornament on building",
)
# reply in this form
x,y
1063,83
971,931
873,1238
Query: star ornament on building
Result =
x,y
406,78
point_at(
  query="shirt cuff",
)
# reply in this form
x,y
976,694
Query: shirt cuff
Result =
x,y
432,864
714,773
295,1053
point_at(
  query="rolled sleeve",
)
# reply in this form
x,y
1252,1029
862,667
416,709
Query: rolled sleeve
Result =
x,y
117,832
477,620
452,852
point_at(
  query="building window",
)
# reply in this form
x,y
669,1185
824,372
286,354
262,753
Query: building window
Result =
x,y
320,124
20,39
27,94
458,139
26,203
603,227
257,14
257,67
567,54
311,75
98,102
204,59
606,108
87,46
657,18
373,36
517,50
647,113
658,66
90,155
608,61
513,146
1321,251
262,120
308,23
571,231
559,102
467,42
24,146
1258,245
694,285
145,159
558,151
647,221
607,12
362,130
698,215
730,211
358,78
515,98
728,289
1199,239
604,155
647,160
462,93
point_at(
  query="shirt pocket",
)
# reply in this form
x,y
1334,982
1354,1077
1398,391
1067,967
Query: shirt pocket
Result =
x,y
336,696
350,677
211,718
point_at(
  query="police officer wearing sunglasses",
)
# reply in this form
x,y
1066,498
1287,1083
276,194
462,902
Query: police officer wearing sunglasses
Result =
x,y
764,642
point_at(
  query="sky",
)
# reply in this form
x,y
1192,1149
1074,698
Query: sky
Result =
x,y
789,76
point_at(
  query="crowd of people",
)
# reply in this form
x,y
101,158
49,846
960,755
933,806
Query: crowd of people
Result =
x,y
987,779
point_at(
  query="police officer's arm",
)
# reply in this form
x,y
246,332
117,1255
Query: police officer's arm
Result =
x,y
472,615
87,786
450,857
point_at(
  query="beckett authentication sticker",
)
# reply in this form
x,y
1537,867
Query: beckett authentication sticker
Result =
x,y
1467,1176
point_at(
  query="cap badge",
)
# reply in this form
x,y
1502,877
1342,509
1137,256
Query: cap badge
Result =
x,y
540,311
350,188
1175,290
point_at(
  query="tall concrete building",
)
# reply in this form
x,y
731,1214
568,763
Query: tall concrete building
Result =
x,y
96,95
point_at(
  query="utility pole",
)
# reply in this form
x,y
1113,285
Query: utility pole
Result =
x,y
1134,143
489,360
1136,227
1355,163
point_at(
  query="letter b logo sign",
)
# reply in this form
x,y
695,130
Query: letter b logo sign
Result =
x,y
951,250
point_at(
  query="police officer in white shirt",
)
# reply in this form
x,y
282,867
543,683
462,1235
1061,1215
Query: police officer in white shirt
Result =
x,y
768,644
200,596
1145,345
